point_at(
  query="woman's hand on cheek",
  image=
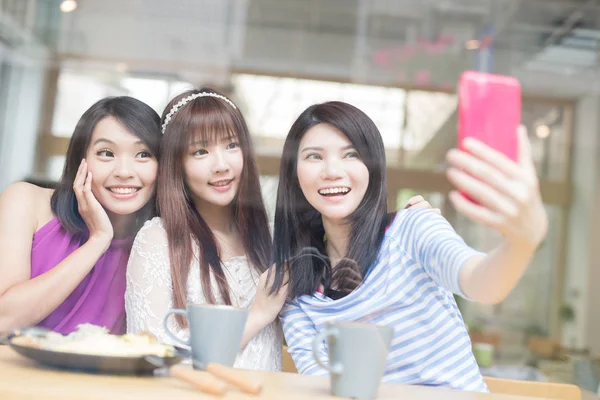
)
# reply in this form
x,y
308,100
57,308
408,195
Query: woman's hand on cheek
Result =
x,y
507,192
91,211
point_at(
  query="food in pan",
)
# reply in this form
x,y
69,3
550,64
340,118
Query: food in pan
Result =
x,y
95,340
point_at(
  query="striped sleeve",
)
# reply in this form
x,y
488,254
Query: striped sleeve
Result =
x,y
432,242
299,332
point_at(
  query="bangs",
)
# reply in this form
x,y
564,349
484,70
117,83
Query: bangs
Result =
x,y
210,124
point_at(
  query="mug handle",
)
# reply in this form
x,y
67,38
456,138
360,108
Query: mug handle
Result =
x,y
170,334
336,368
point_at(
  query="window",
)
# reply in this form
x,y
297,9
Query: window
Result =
x,y
406,119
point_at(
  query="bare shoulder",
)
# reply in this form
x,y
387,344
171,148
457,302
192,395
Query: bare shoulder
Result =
x,y
30,203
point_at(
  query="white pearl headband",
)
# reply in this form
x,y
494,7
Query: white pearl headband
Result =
x,y
186,100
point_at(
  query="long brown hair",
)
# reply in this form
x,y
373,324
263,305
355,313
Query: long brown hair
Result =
x,y
207,119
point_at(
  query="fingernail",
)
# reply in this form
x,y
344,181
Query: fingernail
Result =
x,y
472,144
452,154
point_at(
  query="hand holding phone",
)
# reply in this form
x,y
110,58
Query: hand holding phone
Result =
x,y
493,170
489,110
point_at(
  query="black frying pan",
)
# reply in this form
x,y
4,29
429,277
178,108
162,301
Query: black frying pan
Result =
x,y
139,365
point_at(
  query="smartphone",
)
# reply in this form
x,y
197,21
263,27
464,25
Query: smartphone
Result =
x,y
489,109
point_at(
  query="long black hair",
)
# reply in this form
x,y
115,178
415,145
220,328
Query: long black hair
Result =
x,y
138,119
299,233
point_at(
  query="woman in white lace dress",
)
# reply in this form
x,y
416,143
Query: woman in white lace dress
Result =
x,y
212,244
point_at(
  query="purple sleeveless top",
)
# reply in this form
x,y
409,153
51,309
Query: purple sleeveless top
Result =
x,y
99,298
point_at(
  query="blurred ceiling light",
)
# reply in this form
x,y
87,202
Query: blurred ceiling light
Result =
x,y
542,131
68,6
472,44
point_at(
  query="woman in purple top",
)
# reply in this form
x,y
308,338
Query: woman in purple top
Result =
x,y
63,252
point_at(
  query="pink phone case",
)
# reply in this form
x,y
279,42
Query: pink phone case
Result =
x,y
489,109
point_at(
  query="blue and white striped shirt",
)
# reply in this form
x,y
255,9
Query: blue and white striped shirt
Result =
x,y
410,288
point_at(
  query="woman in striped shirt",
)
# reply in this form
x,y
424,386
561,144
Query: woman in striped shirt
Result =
x,y
348,259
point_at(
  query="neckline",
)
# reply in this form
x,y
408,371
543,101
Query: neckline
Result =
x,y
235,258
120,243
55,222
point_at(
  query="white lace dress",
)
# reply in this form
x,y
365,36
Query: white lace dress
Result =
x,y
149,296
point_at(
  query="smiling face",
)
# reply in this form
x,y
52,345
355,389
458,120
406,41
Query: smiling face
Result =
x,y
213,171
332,176
123,168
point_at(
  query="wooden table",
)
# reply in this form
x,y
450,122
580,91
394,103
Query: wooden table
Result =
x,y
22,379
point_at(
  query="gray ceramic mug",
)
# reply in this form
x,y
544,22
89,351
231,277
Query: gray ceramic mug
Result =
x,y
215,332
357,357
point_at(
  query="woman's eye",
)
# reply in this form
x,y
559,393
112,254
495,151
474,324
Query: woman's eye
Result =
x,y
105,153
313,156
144,154
200,152
352,154
233,145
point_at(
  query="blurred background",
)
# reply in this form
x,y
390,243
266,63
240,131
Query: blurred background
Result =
x,y
399,61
